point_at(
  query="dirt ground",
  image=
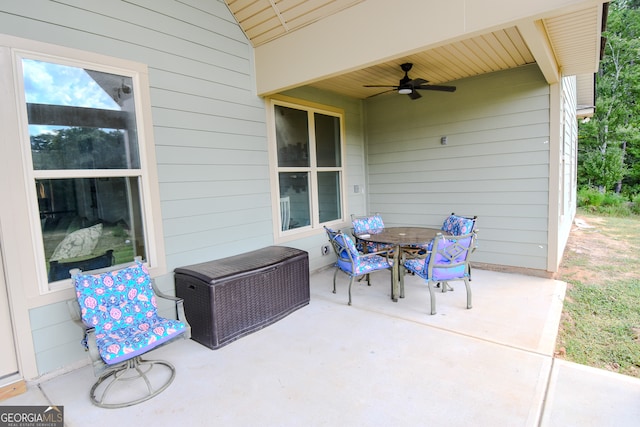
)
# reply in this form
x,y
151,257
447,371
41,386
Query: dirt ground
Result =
x,y
586,241
591,245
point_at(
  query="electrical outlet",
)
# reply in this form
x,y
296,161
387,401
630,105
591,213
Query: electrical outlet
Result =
x,y
325,249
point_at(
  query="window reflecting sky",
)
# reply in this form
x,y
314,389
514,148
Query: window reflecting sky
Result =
x,y
55,84
47,83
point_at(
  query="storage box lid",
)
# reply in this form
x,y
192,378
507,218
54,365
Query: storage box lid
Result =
x,y
238,265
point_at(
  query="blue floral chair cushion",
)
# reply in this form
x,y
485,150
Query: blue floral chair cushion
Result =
x,y
361,264
448,253
121,306
447,260
367,224
458,225
419,267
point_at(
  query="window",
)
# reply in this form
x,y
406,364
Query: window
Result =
x,y
309,167
85,145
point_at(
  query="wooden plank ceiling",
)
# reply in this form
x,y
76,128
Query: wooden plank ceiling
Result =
x,y
495,51
571,36
264,20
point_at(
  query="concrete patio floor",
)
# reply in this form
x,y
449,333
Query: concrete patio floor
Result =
x,y
379,363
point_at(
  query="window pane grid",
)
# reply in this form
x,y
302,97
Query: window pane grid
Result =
x,y
85,165
85,173
310,192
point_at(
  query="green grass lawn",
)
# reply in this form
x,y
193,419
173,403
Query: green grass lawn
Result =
x,y
601,317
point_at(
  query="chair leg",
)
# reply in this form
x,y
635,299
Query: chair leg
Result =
x,y
391,276
468,286
334,280
432,297
350,283
119,380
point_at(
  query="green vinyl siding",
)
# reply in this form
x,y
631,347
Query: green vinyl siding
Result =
x,y
495,164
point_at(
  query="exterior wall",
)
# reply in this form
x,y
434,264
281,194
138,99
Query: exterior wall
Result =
x,y
210,137
211,148
495,164
56,340
209,129
355,140
355,170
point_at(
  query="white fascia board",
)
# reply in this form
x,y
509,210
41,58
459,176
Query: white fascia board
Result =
x,y
537,40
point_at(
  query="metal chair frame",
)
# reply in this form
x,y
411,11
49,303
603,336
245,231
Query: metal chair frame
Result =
x,y
454,253
344,254
444,285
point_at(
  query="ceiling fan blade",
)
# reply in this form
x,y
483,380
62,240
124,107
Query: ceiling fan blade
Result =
x,y
436,87
418,82
395,87
414,95
380,93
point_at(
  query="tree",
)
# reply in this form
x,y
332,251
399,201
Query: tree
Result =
x,y
609,143
79,148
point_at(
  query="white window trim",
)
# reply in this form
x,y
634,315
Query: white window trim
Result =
x,y
18,217
315,228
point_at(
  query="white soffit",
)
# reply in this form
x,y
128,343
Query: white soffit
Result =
x,y
575,38
495,51
568,43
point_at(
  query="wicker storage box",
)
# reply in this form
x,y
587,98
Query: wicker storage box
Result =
x,y
231,297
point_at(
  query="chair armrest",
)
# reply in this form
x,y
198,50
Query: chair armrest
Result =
x,y
89,340
74,312
384,253
161,294
92,347
180,314
388,254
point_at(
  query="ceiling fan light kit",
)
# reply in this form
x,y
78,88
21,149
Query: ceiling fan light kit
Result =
x,y
408,86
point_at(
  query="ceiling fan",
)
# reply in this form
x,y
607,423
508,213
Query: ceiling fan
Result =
x,y
408,86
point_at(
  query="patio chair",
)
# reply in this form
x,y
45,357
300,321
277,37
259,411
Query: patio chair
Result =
x,y
453,225
457,225
366,225
119,312
60,270
285,213
447,259
354,263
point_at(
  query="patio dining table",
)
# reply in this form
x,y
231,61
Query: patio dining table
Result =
x,y
399,237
